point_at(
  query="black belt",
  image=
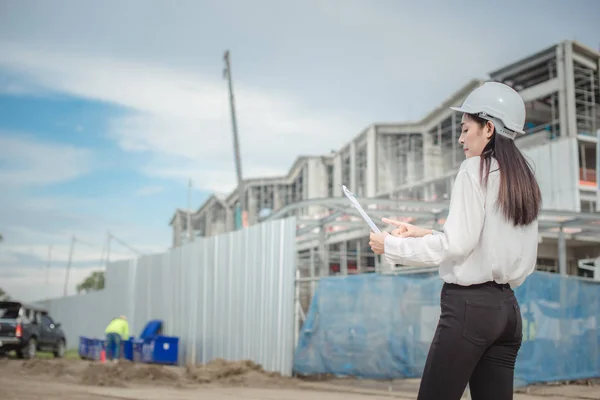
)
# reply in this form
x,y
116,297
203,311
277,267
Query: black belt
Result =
x,y
502,286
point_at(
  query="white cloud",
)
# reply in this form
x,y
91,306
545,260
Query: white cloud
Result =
x,y
7,258
18,283
82,253
31,162
30,225
149,190
183,119
218,180
24,259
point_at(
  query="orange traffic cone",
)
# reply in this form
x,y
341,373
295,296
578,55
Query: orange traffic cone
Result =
x,y
102,356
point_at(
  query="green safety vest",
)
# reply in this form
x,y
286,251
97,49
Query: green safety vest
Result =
x,y
118,326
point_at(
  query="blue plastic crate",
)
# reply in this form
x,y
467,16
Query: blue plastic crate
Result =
x,y
152,347
84,344
165,350
129,350
90,348
95,348
161,350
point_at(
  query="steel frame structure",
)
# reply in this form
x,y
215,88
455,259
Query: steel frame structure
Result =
x,y
312,232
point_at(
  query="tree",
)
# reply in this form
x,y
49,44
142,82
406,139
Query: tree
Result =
x,y
92,283
3,295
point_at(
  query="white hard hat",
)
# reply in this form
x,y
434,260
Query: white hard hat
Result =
x,y
498,103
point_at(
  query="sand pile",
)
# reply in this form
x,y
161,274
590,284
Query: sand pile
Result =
x,y
126,372
240,373
48,367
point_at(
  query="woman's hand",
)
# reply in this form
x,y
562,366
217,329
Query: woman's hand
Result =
x,y
406,230
377,242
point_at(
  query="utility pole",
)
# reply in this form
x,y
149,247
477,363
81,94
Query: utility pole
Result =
x,y
236,144
69,266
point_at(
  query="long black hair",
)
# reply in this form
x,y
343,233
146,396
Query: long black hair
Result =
x,y
519,196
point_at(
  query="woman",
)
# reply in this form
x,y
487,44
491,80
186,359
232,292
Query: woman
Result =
x,y
488,246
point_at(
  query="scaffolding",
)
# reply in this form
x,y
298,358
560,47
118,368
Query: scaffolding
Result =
x,y
401,158
543,112
346,165
587,99
414,164
338,243
361,169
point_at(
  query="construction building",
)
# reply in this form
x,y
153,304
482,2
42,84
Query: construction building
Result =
x,y
406,171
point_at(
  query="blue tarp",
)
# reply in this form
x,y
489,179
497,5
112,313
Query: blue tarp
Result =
x,y
380,327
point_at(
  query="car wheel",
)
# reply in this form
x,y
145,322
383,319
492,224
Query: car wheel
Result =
x,y
30,349
60,349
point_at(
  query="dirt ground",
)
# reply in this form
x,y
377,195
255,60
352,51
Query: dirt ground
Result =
x,y
219,380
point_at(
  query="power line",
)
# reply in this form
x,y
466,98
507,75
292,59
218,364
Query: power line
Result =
x,y
74,240
122,243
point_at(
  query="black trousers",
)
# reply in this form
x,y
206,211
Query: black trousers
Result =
x,y
476,341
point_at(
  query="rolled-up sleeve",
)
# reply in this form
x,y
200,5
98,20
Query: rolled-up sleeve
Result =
x,y
459,235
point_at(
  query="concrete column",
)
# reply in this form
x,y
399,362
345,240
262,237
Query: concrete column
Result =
x,y
337,175
562,252
177,230
316,183
411,164
430,158
570,89
191,230
277,202
251,204
344,258
323,252
383,164
372,160
562,95
353,174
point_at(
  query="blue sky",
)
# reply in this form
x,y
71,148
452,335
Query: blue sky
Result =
x,y
108,108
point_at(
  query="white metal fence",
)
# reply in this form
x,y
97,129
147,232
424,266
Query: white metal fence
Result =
x,y
229,296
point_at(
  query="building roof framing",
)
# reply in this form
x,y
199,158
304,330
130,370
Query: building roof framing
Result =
x,y
397,169
579,226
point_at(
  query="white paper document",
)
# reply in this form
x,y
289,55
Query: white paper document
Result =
x,y
362,212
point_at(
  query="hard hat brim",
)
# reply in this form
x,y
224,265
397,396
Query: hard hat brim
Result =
x,y
467,110
462,110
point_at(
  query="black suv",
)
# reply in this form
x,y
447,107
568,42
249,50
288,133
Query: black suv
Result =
x,y
27,329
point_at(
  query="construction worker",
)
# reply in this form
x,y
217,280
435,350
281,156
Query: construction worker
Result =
x,y
116,331
487,247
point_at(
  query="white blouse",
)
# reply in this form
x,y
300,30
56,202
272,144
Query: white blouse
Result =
x,y
477,244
